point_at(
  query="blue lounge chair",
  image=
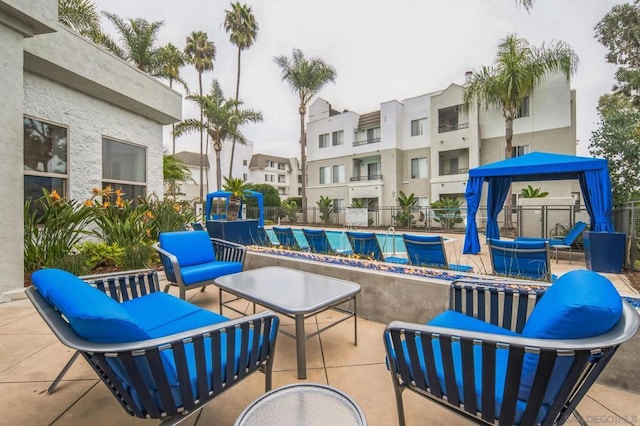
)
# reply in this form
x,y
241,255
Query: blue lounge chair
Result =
x,y
262,238
148,347
287,239
193,260
429,250
521,259
319,242
366,244
476,360
197,226
561,244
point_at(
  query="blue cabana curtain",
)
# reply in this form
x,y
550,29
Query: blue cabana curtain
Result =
x,y
498,191
474,190
596,191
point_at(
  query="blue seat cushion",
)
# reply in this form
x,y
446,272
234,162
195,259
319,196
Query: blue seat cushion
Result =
x,y
190,247
208,271
395,259
161,314
90,312
460,268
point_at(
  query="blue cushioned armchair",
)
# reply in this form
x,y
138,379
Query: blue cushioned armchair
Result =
x,y
161,357
193,260
491,361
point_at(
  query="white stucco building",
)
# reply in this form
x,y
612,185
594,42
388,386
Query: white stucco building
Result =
x,y
74,117
425,145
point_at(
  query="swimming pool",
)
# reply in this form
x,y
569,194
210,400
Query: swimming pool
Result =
x,y
340,243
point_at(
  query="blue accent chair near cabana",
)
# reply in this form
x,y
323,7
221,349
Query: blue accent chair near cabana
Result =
x,y
429,250
193,260
521,259
319,242
366,244
161,357
479,362
287,239
561,244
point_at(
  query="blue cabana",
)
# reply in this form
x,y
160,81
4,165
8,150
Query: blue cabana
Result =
x,y
592,173
226,194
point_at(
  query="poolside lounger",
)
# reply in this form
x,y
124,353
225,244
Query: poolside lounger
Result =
x,y
561,244
366,244
429,250
287,239
319,242
521,259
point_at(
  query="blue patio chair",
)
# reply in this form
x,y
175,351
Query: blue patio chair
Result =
x,y
193,260
366,244
521,259
149,347
197,226
429,250
561,244
319,242
489,361
262,238
288,240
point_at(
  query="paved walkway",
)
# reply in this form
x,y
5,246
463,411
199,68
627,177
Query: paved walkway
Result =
x,y
30,357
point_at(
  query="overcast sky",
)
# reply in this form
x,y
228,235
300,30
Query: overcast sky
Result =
x,y
382,50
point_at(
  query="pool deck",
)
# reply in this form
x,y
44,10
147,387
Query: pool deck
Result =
x,y
30,358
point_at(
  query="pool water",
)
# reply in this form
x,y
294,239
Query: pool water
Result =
x,y
340,243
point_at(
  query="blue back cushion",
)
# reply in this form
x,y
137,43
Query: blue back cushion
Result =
x,y
365,244
91,313
190,247
574,233
286,237
526,264
425,250
579,304
318,241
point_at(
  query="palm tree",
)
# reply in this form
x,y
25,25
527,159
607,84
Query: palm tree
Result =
x,y
200,52
79,15
517,69
221,119
305,77
137,40
527,4
170,60
174,171
242,27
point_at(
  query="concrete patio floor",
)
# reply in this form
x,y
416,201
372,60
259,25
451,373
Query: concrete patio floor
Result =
x,y
30,358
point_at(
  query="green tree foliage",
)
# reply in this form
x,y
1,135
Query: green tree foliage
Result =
x,y
290,209
531,192
447,212
79,15
325,204
221,120
404,218
305,78
200,52
619,32
270,196
617,139
242,28
174,171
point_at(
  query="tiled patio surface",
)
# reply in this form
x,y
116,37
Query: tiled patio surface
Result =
x,y
30,358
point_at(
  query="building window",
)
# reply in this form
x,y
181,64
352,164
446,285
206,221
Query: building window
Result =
x,y
419,168
523,111
281,166
266,178
46,157
271,164
324,175
282,179
124,166
373,171
299,178
337,138
373,135
418,127
519,150
324,140
338,174
244,162
338,204
244,177
282,191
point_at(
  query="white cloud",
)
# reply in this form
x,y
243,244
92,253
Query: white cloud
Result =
x,y
381,50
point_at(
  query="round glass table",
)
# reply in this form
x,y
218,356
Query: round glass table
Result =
x,y
308,404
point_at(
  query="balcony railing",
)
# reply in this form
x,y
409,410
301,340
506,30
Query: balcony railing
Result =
x,y
444,129
366,141
360,178
453,172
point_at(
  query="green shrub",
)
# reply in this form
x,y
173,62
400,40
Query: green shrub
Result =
x,y
447,212
100,254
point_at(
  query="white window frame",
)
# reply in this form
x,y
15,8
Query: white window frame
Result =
x,y
324,175
519,150
116,182
323,140
338,173
418,126
337,138
422,172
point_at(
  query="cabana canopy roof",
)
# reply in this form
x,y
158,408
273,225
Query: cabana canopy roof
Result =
x,y
592,174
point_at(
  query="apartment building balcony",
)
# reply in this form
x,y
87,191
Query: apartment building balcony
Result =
x,y
366,141
453,127
449,172
365,178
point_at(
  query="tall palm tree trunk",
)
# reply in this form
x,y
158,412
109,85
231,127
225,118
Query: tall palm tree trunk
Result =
x,y
218,169
201,143
173,125
508,148
303,161
233,144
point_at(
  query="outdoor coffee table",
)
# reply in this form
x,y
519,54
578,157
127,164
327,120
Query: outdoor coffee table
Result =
x,y
303,404
295,294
